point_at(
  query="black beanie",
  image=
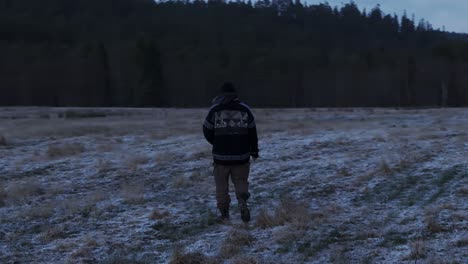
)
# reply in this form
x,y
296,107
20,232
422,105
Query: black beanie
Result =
x,y
228,88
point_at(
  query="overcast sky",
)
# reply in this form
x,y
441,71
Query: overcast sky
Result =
x,y
453,14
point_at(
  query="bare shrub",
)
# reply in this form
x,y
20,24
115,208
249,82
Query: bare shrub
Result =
x,y
3,141
64,150
133,193
181,257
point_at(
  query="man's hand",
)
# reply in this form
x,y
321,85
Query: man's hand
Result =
x,y
254,155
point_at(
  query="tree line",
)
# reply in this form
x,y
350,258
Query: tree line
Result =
x,y
279,53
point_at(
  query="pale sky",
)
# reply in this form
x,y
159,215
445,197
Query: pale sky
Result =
x,y
453,14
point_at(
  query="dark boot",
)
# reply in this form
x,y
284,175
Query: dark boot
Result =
x,y
244,210
224,214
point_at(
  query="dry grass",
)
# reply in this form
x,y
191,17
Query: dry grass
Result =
x,y
103,166
81,253
133,193
180,257
64,150
89,241
245,259
384,168
265,219
96,197
21,192
36,212
106,148
418,250
462,242
432,225
181,182
162,158
463,191
133,162
52,233
83,206
288,211
287,235
235,240
159,214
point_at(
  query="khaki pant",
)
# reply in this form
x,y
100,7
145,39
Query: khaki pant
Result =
x,y
239,177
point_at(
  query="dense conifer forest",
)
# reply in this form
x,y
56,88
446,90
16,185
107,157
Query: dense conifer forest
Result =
x,y
177,53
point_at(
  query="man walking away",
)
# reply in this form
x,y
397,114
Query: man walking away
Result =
x,y
230,128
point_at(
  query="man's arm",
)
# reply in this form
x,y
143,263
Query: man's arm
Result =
x,y
208,128
253,137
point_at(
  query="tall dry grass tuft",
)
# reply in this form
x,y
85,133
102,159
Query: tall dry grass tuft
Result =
x,y
64,150
235,240
432,225
288,211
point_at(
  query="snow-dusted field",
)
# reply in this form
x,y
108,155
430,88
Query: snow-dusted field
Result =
x,y
331,186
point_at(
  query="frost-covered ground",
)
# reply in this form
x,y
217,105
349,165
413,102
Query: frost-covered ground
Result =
x,y
331,186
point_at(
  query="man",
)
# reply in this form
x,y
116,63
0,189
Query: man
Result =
x,y
230,128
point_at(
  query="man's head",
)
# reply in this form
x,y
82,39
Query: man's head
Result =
x,y
228,89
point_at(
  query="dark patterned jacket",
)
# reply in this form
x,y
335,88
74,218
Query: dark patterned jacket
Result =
x,y
230,128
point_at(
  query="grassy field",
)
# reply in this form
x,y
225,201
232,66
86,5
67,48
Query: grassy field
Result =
x,y
136,186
